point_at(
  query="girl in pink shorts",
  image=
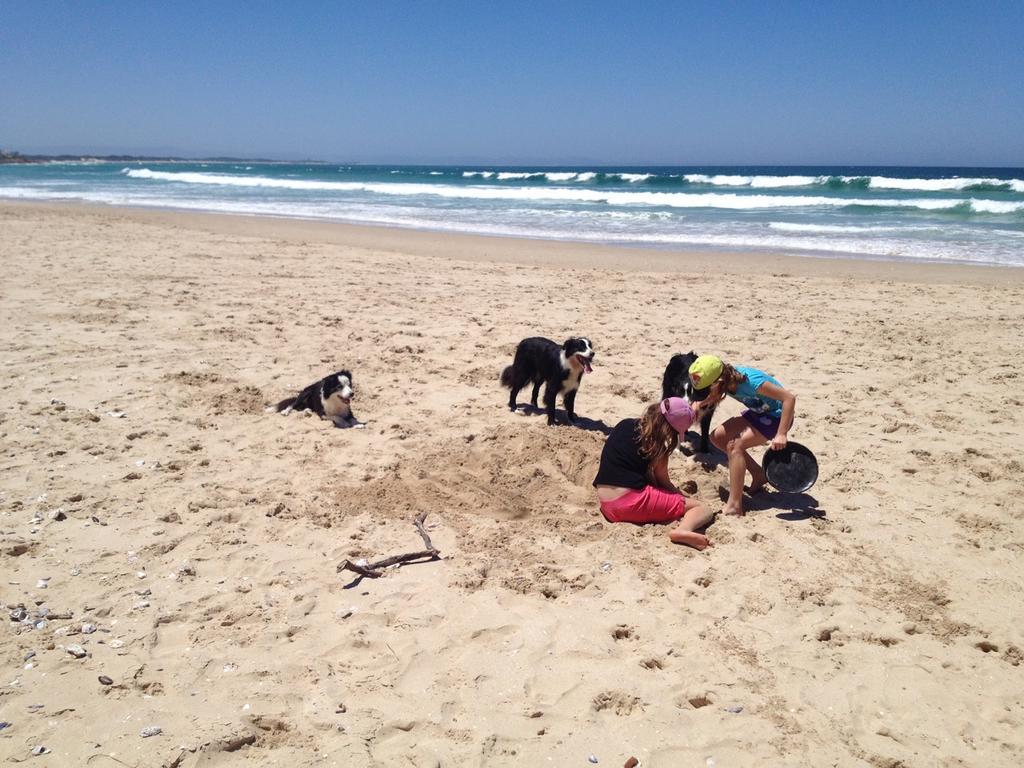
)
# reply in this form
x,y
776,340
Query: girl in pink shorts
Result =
x,y
632,482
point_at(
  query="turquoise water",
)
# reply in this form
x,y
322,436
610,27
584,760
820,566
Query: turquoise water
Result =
x,y
972,215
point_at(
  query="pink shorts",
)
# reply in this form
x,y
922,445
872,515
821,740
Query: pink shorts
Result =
x,y
647,505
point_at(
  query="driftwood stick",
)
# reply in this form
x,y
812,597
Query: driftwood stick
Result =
x,y
418,522
374,570
348,565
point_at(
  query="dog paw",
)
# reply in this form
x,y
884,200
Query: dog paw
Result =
x,y
359,425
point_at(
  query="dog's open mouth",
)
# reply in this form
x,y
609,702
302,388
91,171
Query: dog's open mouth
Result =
x,y
585,362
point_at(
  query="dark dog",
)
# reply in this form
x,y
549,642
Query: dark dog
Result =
x,y
676,383
560,368
330,398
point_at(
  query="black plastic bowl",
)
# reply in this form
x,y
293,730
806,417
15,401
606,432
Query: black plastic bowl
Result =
x,y
791,470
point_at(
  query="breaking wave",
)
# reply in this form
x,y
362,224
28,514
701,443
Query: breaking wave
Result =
x,y
722,200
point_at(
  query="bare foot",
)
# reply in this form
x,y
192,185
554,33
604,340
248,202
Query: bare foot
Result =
x,y
733,509
690,538
755,488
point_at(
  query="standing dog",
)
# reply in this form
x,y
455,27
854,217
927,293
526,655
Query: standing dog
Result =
x,y
676,383
330,398
560,368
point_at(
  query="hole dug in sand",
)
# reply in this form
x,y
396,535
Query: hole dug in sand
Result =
x,y
700,700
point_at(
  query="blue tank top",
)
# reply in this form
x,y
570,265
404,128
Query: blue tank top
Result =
x,y
747,394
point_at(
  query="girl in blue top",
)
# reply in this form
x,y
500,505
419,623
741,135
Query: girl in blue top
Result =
x,y
768,419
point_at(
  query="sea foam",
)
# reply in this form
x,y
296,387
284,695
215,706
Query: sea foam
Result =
x,y
723,200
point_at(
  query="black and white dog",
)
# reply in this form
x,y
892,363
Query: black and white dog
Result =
x,y
330,398
676,383
559,367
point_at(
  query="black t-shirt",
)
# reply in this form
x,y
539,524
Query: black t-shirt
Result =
x,y
621,462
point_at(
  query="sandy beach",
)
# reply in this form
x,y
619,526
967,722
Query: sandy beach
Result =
x,y
160,530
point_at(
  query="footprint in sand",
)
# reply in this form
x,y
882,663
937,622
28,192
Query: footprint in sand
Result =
x,y
624,632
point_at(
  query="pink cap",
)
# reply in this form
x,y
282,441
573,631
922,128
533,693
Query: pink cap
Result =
x,y
678,413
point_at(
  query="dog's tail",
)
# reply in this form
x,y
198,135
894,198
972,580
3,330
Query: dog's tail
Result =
x,y
506,377
286,403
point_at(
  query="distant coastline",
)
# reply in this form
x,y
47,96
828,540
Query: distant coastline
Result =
x,y
16,158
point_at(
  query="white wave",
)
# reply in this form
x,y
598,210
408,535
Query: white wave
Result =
x,y
556,176
186,177
29,193
729,201
756,182
624,216
777,182
720,180
829,229
635,178
938,185
80,161
517,175
995,206
875,182
437,173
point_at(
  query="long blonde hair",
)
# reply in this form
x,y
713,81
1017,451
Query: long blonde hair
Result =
x,y
658,438
730,379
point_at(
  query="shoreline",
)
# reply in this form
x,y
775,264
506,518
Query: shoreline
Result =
x,y
539,252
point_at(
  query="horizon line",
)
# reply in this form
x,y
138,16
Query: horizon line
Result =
x,y
36,157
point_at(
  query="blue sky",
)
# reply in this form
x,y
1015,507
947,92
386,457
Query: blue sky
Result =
x,y
909,83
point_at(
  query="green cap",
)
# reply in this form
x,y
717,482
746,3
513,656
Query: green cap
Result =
x,y
705,371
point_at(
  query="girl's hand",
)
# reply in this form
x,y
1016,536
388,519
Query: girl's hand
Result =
x,y
700,407
714,398
779,442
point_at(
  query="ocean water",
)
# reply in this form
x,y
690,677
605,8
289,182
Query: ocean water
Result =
x,y
965,215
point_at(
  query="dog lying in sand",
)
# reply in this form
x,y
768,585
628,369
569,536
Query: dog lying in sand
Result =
x,y
329,398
